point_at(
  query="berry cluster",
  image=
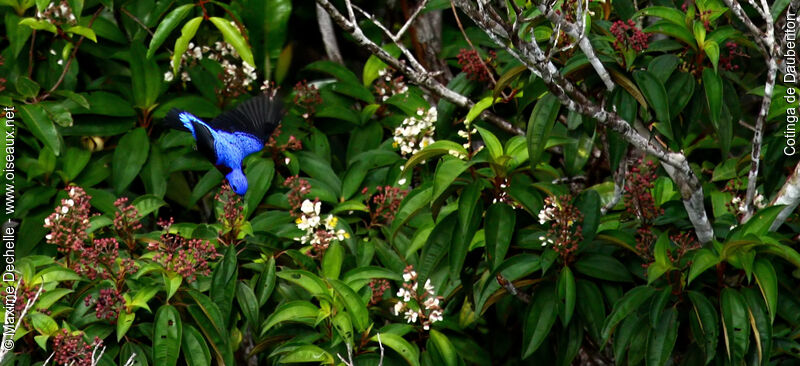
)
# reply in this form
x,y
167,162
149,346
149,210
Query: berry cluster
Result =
x,y
99,260
126,221
640,204
70,221
306,98
298,189
628,36
474,66
565,232
231,216
685,243
69,349
726,61
187,257
388,85
419,306
23,294
378,287
107,305
292,144
384,204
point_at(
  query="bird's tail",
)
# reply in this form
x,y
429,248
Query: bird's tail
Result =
x,y
173,120
257,116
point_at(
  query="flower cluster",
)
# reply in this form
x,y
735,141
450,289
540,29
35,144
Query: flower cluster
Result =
x,y
388,85
231,216
236,80
23,295
99,260
501,194
378,287
70,221
70,349
474,66
640,204
685,243
126,221
307,98
415,305
565,233
298,189
726,61
384,204
629,36
416,132
107,305
292,144
319,233
58,14
467,135
187,257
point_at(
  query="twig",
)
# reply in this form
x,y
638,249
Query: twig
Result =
x,y
30,53
69,61
131,360
28,305
328,35
135,19
513,290
619,186
410,20
747,126
423,79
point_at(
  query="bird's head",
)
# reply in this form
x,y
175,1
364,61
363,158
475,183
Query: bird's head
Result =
x,y
238,181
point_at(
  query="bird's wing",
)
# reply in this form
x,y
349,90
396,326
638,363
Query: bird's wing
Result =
x,y
248,143
257,117
205,140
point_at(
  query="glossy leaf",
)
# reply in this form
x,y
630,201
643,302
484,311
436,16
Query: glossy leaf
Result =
x,y
167,330
499,226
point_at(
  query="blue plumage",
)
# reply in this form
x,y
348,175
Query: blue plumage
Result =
x,y
232,136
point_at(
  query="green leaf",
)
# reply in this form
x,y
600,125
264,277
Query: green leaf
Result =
x,y
43,324
368,273
194,347
499,228
166,336
447,171
767,281
307,280
662,263
182,44
437,148
297,310
625,306
129,157
470,210
266,282
146,78
539,320
166,26
760,323
735,324
603,267
712,50
655,93
673,30
37,122
41,24
712,84
234,38
147,204
247,301
374,65
680,88
172,281
478,108
703,259
662,338
590,307
436,246
335,69
540,123
307,353
672,15
566,295
492,144
704,322
332,260
223,282
27,87
259,179
444,347
124,322
82,31
399,345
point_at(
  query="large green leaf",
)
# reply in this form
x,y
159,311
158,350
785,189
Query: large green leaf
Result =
x,y
565,288
704,322
603,267
656,96
166,26
539,320
539,125
735,324
129,157
662,338
37,122
234,38
470,210
194,347
625,306
499,228
297,311
353,303
767,281
182,44
167,330
396,342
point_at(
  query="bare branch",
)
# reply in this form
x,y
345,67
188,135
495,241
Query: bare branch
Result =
x,y
530,54
788,195
410,20
423,79
328,35
28,306
131,360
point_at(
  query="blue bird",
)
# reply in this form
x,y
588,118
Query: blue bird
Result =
x,y
231,136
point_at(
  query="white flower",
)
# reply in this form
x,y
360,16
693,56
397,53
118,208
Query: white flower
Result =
x,y
64,209
436,316
428,286
287,161
168,76
411,316
309,207
70,202
398,307
431,302
759,201
48,236
46,221
405,294
401,181
408,276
